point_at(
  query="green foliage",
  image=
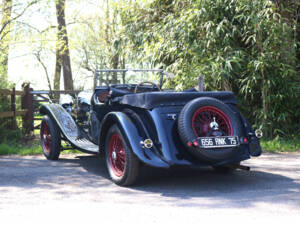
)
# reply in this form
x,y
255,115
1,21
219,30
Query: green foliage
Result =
x,y
244,46
34,148
281,145
8,149
7,135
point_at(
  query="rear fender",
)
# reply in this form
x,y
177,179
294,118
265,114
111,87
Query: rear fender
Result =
x,y
254,147
130,132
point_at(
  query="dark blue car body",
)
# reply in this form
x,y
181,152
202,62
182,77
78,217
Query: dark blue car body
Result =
x,y
149,115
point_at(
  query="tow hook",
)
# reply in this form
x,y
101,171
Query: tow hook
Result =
x,y
241,167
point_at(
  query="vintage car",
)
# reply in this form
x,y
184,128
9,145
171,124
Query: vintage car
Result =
x,y
136,124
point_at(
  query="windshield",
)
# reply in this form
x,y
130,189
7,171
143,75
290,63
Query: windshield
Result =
x,y
104,77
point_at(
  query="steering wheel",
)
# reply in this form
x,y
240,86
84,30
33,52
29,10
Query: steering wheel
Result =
x,y
146,82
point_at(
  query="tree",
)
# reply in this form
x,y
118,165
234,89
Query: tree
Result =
x,y
105,46
62,49
290,11
39,59
10,12
245,46
4,37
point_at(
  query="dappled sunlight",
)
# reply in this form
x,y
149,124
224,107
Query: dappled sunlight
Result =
x,y
85,177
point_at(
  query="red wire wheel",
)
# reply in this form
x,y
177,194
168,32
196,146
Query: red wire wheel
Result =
x,y
50,138
204,116
117,158
199,117
46,138
121,162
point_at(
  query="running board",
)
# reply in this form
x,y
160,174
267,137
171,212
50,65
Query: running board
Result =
x,y
69,129
83,144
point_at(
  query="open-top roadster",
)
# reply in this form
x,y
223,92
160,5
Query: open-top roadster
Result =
x,y
134,124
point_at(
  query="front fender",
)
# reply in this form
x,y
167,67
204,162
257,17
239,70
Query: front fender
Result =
x,y
62,118
69,128
132,136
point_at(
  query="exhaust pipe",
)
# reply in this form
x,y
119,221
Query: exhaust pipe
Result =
x,y
238,166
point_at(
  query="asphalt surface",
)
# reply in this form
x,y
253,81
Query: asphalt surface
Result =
x,y
76,190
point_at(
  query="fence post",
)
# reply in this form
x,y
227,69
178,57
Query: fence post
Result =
x,y
13,108
27,103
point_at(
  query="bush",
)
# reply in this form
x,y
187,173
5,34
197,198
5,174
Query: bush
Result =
x,y
281,145
9,136
244,46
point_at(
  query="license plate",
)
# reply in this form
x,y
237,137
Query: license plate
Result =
x,y
218,142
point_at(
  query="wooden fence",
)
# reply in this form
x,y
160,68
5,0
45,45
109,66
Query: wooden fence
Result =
x,y
29,109
14,113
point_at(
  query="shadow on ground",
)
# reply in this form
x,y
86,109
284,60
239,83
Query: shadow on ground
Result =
x,y
183,186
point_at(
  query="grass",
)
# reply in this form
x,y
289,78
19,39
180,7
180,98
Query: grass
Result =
x,y
8,149
14,144
281,145
33,148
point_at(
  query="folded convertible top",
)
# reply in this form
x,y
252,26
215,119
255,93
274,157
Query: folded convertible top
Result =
x,y
150,100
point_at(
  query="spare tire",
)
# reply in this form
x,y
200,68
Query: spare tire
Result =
x,y
196,120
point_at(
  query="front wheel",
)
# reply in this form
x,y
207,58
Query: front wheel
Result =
x,y
122,164
50,139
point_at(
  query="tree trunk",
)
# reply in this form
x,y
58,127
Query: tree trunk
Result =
x,y
58,64
297,33
6,8
115,65
38,57
265,106
123,67
62,51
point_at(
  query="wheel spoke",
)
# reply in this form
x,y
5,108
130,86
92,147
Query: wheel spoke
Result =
x,y
46,138
117,154
203,118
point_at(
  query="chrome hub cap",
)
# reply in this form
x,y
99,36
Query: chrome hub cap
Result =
x,y
114,155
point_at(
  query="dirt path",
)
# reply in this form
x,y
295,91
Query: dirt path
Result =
x,y
76,190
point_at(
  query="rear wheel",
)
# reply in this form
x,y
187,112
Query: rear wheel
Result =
x,y
50,139
122,164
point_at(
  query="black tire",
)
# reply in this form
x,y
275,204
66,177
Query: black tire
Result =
x,y
50,139
187,133
126,173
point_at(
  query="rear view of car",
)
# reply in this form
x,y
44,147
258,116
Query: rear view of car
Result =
x,y
136,124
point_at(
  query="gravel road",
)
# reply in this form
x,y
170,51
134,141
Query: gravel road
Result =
x,y
76,190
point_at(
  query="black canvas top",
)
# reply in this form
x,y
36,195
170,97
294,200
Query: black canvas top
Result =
x,y
150,100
